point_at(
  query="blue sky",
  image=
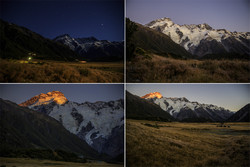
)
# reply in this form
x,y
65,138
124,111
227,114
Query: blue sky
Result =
x,y
229,96
232,15
80,93
103,19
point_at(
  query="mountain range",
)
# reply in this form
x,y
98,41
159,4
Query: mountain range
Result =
x,y
23,128
180,109
184,110
92,49
202,40
19,43
100,124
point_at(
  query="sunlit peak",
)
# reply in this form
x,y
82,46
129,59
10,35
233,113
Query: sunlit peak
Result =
x,y
152,95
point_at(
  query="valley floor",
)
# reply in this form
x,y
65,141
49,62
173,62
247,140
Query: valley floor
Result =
x,y
162,144
25,162
154,68
41,71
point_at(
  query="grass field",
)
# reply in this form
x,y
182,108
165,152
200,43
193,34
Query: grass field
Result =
x,y
154,68
54,71
25,162
187,144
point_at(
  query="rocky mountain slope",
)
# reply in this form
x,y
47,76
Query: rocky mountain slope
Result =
x,y
184,110
23,128
139,108
243,115
202,39
92,49
100,124
19,43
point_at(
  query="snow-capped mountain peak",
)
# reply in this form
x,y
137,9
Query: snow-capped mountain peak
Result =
x,y
202,39
44,99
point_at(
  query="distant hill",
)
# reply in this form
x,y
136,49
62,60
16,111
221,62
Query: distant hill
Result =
x,y
138,108
156,42
243,115
19,43
23,128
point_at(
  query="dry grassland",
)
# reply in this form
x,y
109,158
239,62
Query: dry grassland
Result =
x,y
187,144
61,72
153,68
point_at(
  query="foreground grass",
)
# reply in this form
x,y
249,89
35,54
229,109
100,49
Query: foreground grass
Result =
x,y
187,144
54,71
25,162
153,68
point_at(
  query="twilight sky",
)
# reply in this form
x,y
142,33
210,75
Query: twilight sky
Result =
x,y
103,19
233,15
229,96
80,93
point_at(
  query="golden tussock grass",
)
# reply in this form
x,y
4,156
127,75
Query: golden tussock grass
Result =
x,y
187,144
53,72
160,69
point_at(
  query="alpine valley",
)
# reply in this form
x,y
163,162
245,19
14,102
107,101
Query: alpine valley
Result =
x,y
162,51
187,133
100,124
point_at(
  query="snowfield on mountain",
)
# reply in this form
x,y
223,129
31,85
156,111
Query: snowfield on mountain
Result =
x,y
182,109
